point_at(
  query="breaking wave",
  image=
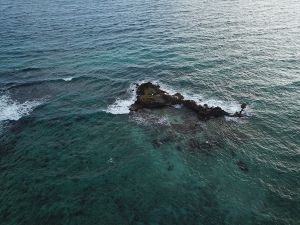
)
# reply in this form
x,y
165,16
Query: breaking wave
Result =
x,y
13,110
121,106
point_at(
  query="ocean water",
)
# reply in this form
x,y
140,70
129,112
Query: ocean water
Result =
x,y
70,151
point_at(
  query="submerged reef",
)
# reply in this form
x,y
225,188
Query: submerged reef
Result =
x,y
150,95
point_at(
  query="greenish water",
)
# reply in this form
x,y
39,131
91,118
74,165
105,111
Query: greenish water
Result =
x,y
71,154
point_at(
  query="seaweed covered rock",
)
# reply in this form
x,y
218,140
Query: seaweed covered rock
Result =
x,y
151,96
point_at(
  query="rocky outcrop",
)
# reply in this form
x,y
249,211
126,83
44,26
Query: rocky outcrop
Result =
x,y
151,96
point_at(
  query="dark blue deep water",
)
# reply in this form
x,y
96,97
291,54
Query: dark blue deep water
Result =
x,y
71,154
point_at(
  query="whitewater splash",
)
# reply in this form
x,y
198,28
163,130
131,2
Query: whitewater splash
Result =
x,y
228,106
121,106
67,79
13,110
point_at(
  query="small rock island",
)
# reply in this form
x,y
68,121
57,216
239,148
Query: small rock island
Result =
x,y
150,95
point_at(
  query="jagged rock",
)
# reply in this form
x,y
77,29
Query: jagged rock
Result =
x,y
243,106
151,96
239,114
135,107
179,96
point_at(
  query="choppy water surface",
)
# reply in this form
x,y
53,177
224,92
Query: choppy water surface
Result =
x,y
71,154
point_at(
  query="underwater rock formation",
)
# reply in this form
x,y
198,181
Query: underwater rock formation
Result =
x,y
151,96
243,166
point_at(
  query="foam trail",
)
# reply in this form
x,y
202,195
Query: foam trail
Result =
x,y
12,110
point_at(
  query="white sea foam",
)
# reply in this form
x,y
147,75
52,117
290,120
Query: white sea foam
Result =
x,y
68,78
121,105
13,110
163,121
228,106
178,106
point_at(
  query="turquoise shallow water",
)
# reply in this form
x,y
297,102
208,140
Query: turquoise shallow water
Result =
x,y
71,154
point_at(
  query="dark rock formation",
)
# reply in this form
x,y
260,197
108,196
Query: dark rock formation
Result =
x,y
187,127
243,107
156,143
242,166
151,96
170,167
198,147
